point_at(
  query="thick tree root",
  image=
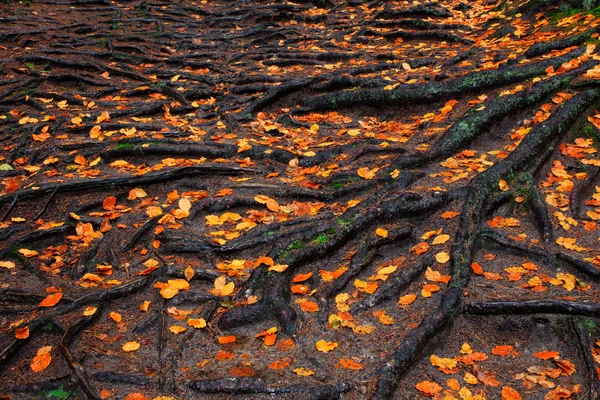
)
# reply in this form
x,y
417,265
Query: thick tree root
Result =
x,y
257,385
546,306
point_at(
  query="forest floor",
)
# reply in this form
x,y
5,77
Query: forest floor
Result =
x,y
259,199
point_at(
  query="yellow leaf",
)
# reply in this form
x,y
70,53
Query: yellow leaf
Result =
x,y
325,346
367,173
136,193
442,257
89,311
441,239
278,267
28,253
470,379
188,273
176,329
7,264
180,284
228,289
381,232
169,292
185,205
303,371
131,346
503,185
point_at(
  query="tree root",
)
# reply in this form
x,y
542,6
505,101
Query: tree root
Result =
x,y
545,306
257,385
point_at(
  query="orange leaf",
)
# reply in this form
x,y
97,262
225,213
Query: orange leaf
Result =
x,y
136,396
420,248
546,355
51,300
279,364
227,339
242,372
349,363
109,202
509,393
449,214
502,351
428,388
22,333
302,277
42,360
407,299
309,306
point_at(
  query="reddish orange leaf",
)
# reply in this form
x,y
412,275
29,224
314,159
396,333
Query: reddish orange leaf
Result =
x,y
428,388
22,333
349,363
51,299
242,371
227,339
546,355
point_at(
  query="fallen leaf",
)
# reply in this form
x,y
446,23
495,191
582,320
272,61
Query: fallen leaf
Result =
x,y
381,232
51,300
131,346
428,388
227,339
42,359
325,346
349,363
509,393
22,333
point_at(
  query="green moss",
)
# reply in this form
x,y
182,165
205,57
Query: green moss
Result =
x,y
296,245
321,238
344,222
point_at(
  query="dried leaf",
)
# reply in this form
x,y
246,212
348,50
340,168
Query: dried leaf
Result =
x,y
131,346
51,300
325,346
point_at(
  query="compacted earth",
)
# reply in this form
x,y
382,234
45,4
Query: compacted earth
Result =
x,y
315,200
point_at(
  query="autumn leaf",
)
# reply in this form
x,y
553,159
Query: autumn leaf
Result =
x,y
509,393
302,277
381,232
51,300
502,351
325,346
546,355
309,306
349,363
42,359
176,329
442,257
476,268
136,193
428,388
242,372
449,214
197,323
227,339
131,346
303,371
407,299
22,333
28,253
367,173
